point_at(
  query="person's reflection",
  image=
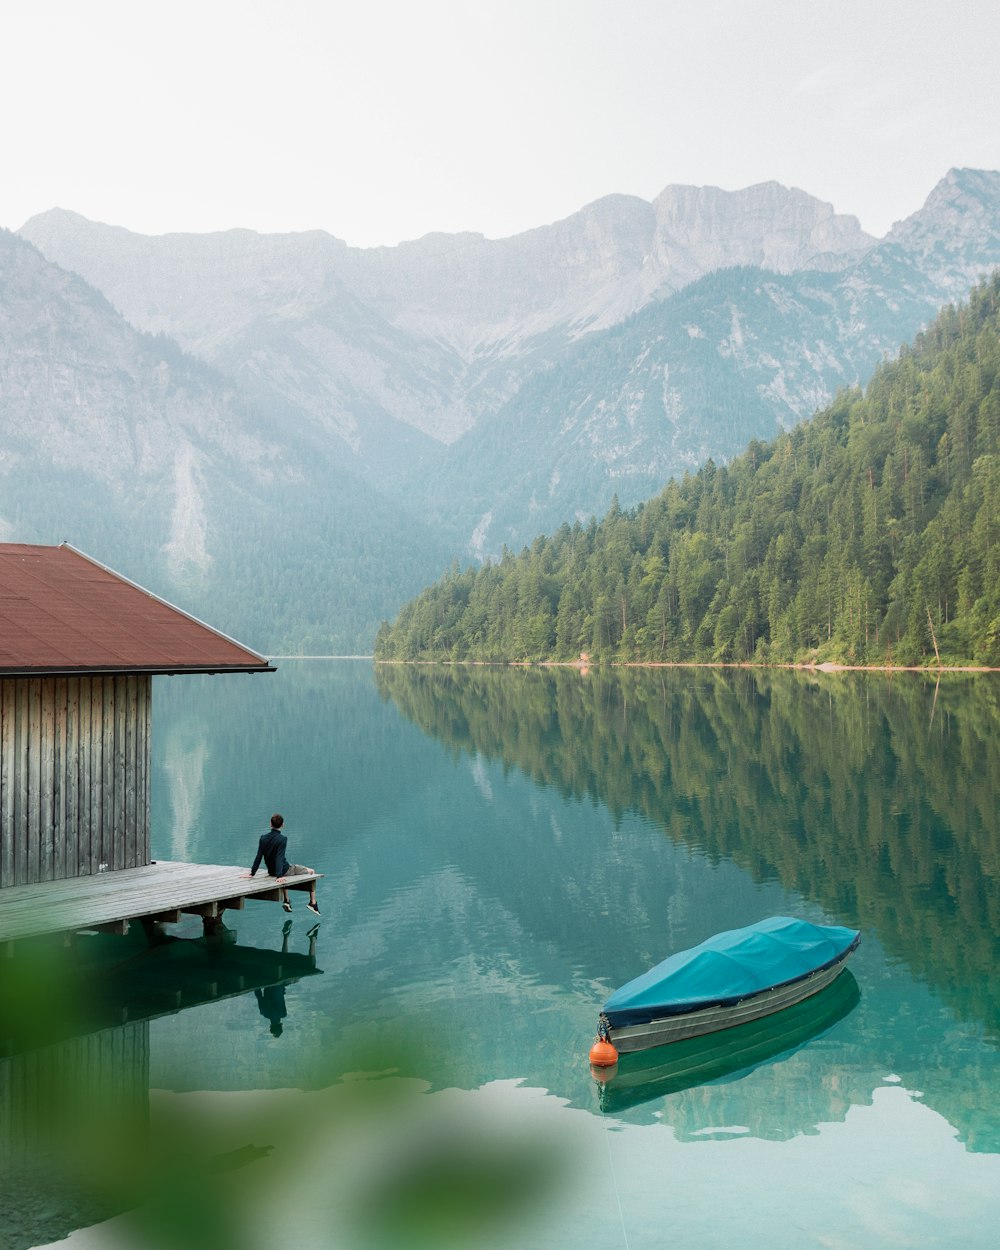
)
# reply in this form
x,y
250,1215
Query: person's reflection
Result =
x,y
271,1005
271,998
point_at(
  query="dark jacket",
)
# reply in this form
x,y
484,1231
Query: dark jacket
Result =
x,y
271,849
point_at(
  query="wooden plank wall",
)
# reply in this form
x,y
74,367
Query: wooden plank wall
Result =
x,y
69,1115
74,776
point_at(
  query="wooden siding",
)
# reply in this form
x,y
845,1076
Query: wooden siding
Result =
x,y
84,1080
74,776
70,1115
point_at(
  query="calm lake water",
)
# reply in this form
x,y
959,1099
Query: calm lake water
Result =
x,y
504,848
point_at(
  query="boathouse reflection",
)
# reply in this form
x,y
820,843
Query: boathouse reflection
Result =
x,y
75,1062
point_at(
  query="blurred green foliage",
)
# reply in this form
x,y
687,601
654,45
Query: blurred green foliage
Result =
x,y
364,1161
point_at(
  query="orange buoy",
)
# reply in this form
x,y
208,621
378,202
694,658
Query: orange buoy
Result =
x,y
603,1054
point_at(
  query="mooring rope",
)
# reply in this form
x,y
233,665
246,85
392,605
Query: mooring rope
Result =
x,y
614,1181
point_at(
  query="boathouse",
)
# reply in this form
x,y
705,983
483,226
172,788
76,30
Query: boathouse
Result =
x,y
79,646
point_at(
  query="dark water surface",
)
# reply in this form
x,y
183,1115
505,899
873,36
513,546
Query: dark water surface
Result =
x,y
504,848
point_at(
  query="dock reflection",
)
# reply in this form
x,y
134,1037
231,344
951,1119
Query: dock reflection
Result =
x,y
75,1063
49,994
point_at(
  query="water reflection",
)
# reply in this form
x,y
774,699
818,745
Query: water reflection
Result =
x,y
873,796
50,994
85,1140
75,1056
271,998
517,844
645,1076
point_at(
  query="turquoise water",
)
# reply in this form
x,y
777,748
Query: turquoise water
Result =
x,y
502,849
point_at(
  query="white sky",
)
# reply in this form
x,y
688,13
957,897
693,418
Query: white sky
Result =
x,y
382,120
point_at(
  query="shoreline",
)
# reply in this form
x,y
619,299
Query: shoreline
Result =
x,y
585,666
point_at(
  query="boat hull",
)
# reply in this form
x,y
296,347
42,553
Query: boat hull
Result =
x,y
678,1027
648,1075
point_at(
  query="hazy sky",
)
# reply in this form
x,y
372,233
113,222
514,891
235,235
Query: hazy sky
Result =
x,y
381,120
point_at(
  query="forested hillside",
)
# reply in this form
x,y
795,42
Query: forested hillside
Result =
x,y
868,535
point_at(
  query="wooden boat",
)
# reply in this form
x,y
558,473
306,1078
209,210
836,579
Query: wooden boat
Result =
x,y
731,979
650,1075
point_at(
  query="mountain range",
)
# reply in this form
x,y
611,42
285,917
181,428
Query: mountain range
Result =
x,y
291,435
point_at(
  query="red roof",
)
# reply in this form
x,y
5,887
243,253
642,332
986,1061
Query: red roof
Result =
x,y
61,612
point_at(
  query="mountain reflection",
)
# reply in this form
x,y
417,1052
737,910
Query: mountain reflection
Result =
x,y
872,795
502,848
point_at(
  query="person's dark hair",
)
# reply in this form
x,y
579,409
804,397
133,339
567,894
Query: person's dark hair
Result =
x,y
277,821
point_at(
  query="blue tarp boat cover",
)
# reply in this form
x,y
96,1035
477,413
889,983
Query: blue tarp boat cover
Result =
x,y
728,967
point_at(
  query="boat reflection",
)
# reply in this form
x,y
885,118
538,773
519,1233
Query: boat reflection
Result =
x,y
646,1075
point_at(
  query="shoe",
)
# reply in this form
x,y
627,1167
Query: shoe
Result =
x,y
287,906
313,931
286,928
313,907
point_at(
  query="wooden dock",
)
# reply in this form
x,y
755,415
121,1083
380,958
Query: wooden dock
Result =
x,y
110,901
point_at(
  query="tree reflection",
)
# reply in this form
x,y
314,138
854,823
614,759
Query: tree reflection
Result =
x,y
873,795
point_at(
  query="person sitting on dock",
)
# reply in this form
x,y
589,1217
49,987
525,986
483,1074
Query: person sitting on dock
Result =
x,y
271,849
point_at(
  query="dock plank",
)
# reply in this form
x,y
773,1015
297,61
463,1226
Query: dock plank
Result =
x,y
129,894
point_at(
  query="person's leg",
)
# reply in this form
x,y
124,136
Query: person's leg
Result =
x,y
300,870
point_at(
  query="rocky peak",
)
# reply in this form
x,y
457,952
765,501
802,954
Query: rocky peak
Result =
x,y
962,188
958,224
586,271
438,333
189,285
702,229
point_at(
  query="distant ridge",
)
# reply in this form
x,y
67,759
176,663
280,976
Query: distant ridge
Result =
x,y
453,394
590,269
